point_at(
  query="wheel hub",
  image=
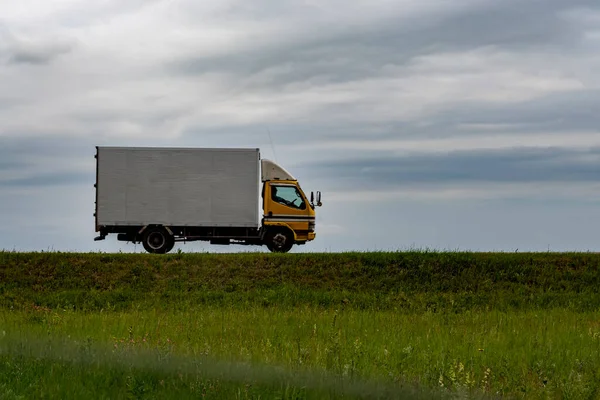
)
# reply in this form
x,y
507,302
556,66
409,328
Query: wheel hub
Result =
x,y
156,240
279,240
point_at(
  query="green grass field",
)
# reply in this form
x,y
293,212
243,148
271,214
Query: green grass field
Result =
x,y
351,325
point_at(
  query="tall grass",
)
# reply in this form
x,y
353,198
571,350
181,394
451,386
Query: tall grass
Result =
x,y
550,354
59,368
404,282
352,325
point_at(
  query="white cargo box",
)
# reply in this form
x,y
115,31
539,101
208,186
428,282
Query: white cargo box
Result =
x,y
178,187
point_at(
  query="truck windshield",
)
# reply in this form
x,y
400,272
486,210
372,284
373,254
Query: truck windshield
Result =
x,y
288,196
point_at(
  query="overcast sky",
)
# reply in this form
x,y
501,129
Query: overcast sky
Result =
x,y
441,124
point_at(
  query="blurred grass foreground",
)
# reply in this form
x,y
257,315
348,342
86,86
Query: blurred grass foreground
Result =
x,y
350,325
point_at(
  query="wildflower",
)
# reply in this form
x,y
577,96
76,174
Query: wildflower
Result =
x,y
485,382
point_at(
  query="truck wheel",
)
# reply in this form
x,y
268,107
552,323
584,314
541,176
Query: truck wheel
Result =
x,y
171,244
157,240
279,240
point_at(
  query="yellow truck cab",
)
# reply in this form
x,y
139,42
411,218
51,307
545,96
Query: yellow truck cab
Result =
x,y
288,215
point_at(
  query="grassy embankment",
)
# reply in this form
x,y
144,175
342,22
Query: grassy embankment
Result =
x,y
524,325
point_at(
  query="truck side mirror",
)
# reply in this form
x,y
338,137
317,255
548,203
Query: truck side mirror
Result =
x,y
319,199
312,197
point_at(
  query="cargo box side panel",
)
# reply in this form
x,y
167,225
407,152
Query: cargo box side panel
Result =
x,y
181,187
111,188
236,192
167,187
187,196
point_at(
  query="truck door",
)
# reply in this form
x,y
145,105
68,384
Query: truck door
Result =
x,y
285,202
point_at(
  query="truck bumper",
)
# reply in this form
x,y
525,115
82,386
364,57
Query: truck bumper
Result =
x,y
311,235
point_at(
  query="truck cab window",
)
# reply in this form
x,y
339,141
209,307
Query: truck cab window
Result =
x,y
288,196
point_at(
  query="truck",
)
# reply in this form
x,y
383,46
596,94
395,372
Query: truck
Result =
x,y
158,196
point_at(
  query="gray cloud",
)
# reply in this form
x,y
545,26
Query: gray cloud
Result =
x,y
514,23
390,50
39,162
18,50
500,166
350,53
35,56
566,112
23,53
28,149
43,180
563,113
8,165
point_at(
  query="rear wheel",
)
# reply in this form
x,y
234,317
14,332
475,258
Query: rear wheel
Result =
x,y
279,240
157,240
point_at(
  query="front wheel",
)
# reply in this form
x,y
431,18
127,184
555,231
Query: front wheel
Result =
x,y
157,240
279,240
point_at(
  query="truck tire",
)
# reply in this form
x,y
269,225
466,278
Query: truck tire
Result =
x,y
157,240
279,240
171,244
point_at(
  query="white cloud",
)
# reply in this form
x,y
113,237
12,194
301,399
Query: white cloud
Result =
x,y
116,81
122,50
